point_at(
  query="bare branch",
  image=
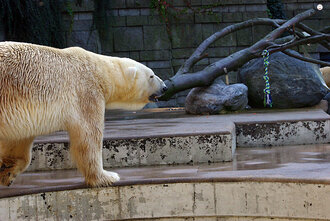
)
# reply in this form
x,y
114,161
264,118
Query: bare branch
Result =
x,y
308,40
284,41
206,76
197,55
303,58
201,58
326,30
310,31
313,32
298,18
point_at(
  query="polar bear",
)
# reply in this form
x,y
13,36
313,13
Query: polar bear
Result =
x,y
326,74
44,89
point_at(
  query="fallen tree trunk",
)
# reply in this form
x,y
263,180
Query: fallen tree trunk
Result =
x,y
184,79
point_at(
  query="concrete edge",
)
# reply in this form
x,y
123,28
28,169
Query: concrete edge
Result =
x,y
63,140
165,181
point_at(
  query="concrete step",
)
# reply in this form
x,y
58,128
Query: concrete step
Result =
x,y
279,183
169,136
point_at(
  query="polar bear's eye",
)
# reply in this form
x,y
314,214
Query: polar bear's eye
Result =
x,y
151,76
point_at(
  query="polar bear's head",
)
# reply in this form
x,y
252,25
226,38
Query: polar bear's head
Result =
x,y
140,86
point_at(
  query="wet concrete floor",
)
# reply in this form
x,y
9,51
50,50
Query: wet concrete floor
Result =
x,y
305,164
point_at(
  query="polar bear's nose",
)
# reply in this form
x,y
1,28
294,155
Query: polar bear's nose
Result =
x,y
165,89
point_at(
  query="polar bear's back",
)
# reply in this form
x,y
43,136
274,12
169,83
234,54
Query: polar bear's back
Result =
x,y
37,83
32,71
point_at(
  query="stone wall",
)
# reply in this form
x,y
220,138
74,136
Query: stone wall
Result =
x,y
137,31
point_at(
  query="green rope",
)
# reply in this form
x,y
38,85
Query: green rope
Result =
x,y
267,98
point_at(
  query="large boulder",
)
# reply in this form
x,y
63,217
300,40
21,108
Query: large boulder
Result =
x,y
293,83
215,98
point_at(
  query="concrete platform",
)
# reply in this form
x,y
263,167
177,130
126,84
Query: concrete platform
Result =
x,y
278,183
169,136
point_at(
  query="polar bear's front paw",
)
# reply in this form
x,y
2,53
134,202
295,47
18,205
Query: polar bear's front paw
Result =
x,y
114,177
107,178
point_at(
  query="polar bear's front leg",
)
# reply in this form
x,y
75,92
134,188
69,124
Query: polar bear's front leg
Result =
x,y
86,150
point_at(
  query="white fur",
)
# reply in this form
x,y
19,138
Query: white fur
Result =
x,y
326,75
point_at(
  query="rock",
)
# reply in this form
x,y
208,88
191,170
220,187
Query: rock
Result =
x,y
150,105
215,98
293,83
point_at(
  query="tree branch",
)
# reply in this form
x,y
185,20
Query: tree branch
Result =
x,y
313,32
206,76
326,30
310,31
281,42
308,40
277,32
303,58
198,54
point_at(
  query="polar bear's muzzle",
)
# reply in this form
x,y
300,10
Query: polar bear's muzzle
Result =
x,y
154,97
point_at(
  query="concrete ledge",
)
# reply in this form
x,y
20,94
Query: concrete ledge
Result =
x,y
265,134
282,127
146,142
142,152
169,150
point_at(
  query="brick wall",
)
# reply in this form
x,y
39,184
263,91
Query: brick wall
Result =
x,y
137,32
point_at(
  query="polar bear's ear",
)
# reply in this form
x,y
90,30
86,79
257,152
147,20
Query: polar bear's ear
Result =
x,y
132,71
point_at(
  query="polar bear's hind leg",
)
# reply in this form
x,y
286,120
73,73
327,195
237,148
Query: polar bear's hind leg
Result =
x,y
15,157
